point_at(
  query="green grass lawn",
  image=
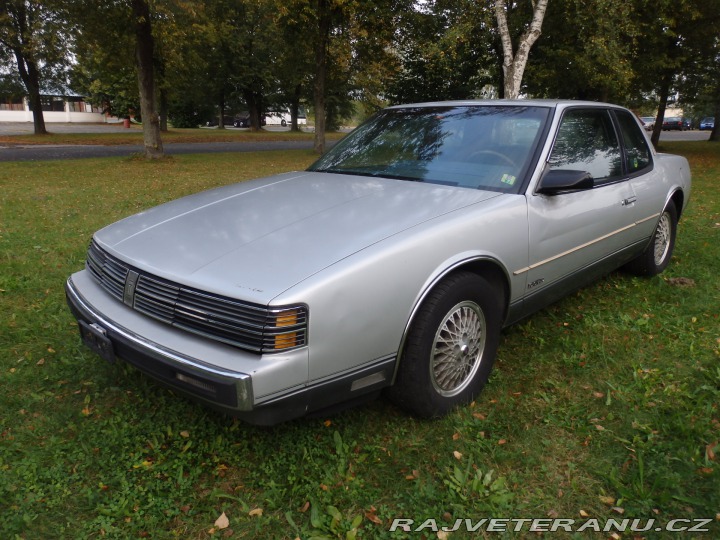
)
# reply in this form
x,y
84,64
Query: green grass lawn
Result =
x,y
604,405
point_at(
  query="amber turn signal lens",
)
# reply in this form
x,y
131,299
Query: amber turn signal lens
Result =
x,y
286,318
285,341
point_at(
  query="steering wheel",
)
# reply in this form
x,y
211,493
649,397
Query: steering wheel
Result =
x,y
503,157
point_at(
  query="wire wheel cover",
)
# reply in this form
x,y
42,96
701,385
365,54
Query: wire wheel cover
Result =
x,y
662,238
457,349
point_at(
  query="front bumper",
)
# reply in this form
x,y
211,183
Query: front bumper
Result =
x,y
259,389
220,387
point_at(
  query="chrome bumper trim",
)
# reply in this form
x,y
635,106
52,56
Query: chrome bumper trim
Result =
x,y
242,382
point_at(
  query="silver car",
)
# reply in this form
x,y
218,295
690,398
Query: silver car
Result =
x,y
391,264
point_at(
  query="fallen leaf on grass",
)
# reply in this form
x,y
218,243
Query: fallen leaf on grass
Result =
x,y
502,441
222,522
305,507
255,512
680,282
414,475
618,510
583,513
372,516
185,434
607,500
710,451
456,436
457,454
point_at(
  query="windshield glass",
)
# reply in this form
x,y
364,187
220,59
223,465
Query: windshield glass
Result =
x,y
477,146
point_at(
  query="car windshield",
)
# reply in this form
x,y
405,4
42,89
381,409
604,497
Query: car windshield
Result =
x,y
475,146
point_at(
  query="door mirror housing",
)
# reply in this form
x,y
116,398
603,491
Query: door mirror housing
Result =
x,y
558,180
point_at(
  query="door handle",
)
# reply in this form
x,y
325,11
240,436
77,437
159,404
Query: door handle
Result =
x,y
628,201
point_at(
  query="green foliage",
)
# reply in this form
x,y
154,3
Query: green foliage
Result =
x,y
585,51
447,52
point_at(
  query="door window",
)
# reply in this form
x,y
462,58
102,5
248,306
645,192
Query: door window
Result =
x,y
586,141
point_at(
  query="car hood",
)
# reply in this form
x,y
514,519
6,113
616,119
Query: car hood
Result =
x,y
253,240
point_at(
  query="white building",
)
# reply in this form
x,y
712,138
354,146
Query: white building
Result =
x,y
56,108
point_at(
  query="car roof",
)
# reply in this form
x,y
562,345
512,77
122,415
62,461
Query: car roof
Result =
x,y
553,103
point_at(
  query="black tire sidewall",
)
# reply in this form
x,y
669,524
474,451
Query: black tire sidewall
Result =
x,y
672,214
644,264
413,389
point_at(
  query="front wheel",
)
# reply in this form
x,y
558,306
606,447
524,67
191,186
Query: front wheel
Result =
x,y
657,254
450,348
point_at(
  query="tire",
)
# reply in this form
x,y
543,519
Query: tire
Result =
x,y
283,123
442,368
657,254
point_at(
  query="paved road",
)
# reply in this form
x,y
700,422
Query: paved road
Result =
x,y
694,135
52,152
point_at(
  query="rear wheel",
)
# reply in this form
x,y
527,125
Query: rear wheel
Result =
x,y
450,348
657,254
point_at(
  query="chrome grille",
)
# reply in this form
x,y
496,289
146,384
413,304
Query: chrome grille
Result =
x,y
109,272
241,324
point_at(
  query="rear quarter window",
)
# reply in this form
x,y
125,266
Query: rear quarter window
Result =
x,y
637,153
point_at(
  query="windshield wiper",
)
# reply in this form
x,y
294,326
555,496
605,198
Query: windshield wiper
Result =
x,y
373,173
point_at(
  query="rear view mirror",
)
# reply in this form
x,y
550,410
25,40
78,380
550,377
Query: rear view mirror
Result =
x,y
556,181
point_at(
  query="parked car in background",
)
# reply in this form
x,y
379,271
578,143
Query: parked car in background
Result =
x,y
687,123
391,264
673,123
243,120
648,122
213,122
284,118
707,123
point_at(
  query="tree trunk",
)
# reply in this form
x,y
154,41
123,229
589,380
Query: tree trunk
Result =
x,y
321,47
146,82
254,103
715,133
514,63
31,79
295,108
662,105
163,110
221,114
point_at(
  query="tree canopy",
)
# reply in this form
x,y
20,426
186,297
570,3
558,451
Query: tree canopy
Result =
x,y
195,61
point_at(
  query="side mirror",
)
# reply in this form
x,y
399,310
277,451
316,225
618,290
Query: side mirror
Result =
x,y
556,181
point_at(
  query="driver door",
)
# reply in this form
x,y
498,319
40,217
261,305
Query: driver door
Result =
x,y
572,231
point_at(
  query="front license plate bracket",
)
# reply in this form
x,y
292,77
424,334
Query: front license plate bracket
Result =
x,y
95,337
